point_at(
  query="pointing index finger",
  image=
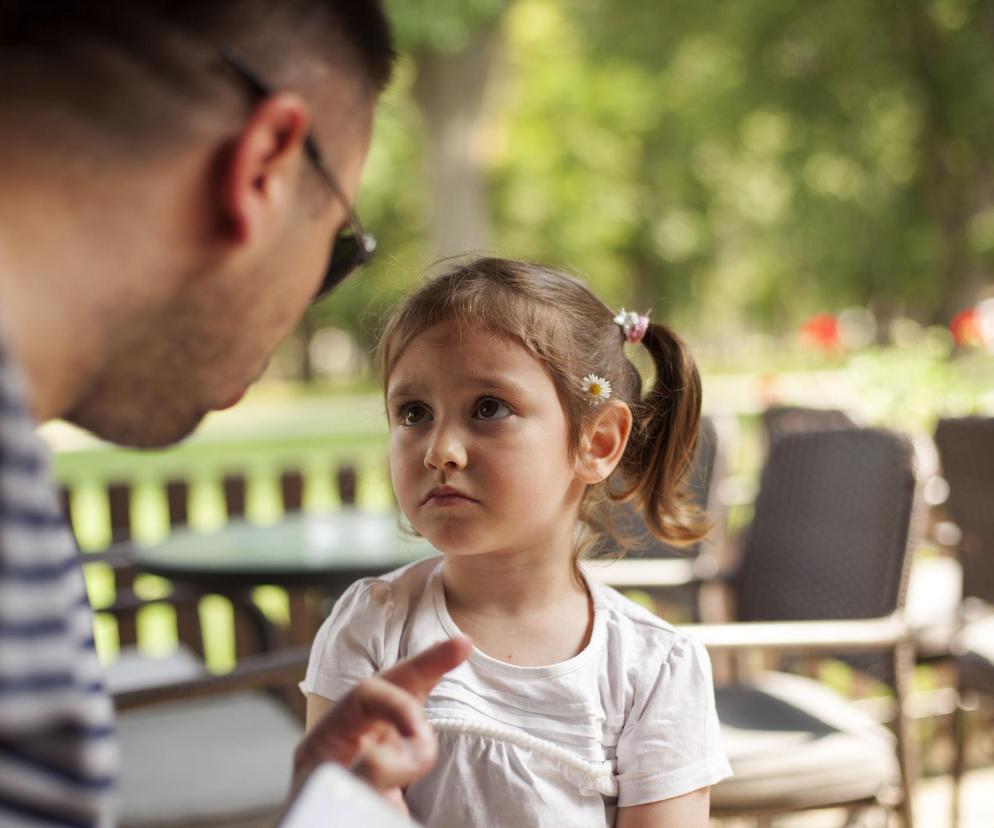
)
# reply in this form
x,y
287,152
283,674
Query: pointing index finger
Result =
x,y
419,674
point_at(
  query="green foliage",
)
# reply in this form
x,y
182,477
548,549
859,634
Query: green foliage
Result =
x,y
911,388
762,163
393,205
440,25
732,167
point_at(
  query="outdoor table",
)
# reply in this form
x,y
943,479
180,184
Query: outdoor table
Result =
x,y
325,552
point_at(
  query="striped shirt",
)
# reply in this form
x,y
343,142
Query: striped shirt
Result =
x,y
58,754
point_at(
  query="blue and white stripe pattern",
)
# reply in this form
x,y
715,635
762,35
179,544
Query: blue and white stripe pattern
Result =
x,y
58,755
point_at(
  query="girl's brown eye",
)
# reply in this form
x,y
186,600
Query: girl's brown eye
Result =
x,y
413,414
490,408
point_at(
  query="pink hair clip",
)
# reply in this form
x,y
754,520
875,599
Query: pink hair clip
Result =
x,y
633,325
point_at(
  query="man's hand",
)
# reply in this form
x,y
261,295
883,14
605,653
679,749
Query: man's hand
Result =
x,y
379,728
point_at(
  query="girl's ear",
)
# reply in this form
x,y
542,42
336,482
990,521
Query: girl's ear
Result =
x,y
603,442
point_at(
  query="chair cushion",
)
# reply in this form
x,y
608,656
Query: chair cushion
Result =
x,y
217,761
934,594
794,744
134,670
976,661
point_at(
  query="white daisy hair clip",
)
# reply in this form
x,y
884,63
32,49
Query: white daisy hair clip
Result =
x,y
633,325
596,389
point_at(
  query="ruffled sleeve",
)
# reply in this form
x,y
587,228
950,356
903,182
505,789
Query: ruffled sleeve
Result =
x,y
351,644
671,743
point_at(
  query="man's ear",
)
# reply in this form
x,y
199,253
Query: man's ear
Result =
x,y
603,441
260,172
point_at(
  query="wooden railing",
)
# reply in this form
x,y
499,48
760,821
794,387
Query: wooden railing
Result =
x,y
120,599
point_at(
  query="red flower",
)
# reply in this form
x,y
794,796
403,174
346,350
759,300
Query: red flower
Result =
x,y
821,331
965,328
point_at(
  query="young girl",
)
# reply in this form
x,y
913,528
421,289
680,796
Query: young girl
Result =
x,y
515,419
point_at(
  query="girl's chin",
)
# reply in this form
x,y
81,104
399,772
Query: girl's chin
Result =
x,y
454,547
456,538
464,549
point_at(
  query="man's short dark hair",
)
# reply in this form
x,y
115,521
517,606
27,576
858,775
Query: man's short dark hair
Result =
x,y
131,66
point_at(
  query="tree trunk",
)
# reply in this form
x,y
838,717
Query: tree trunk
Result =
x,y
450,92
952,200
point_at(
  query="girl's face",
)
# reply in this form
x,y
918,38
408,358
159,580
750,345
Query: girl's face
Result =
x,y
479,453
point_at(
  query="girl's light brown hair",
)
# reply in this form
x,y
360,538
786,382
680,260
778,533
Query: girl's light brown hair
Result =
x,y
573,333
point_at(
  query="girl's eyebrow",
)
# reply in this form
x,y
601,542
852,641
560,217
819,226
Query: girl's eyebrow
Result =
x,y
502,384
405,389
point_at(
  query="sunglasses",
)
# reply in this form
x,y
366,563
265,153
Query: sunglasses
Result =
x,y
352,245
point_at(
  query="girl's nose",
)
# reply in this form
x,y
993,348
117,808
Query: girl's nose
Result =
x,y
446,451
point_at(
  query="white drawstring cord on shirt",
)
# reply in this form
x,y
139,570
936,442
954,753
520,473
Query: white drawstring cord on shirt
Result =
x,y
598,775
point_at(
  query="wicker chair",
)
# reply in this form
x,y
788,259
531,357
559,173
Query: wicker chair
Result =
x,y
213,751
966,452
823,571
780,420
197,749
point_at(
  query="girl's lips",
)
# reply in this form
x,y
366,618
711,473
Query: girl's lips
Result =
x,y
443,500
446,496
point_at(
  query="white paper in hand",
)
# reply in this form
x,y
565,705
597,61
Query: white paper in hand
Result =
x,y
334,797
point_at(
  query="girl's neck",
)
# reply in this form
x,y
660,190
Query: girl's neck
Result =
x,y
527,610
510,583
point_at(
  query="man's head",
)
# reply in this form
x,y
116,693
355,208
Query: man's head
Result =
x,y
218,220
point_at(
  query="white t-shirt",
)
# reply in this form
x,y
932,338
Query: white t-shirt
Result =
x,y
629,720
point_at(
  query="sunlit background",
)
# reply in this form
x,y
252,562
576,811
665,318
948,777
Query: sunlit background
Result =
x,y
795,187
804,190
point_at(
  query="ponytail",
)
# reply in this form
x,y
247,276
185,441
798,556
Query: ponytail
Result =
x,y
661,448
